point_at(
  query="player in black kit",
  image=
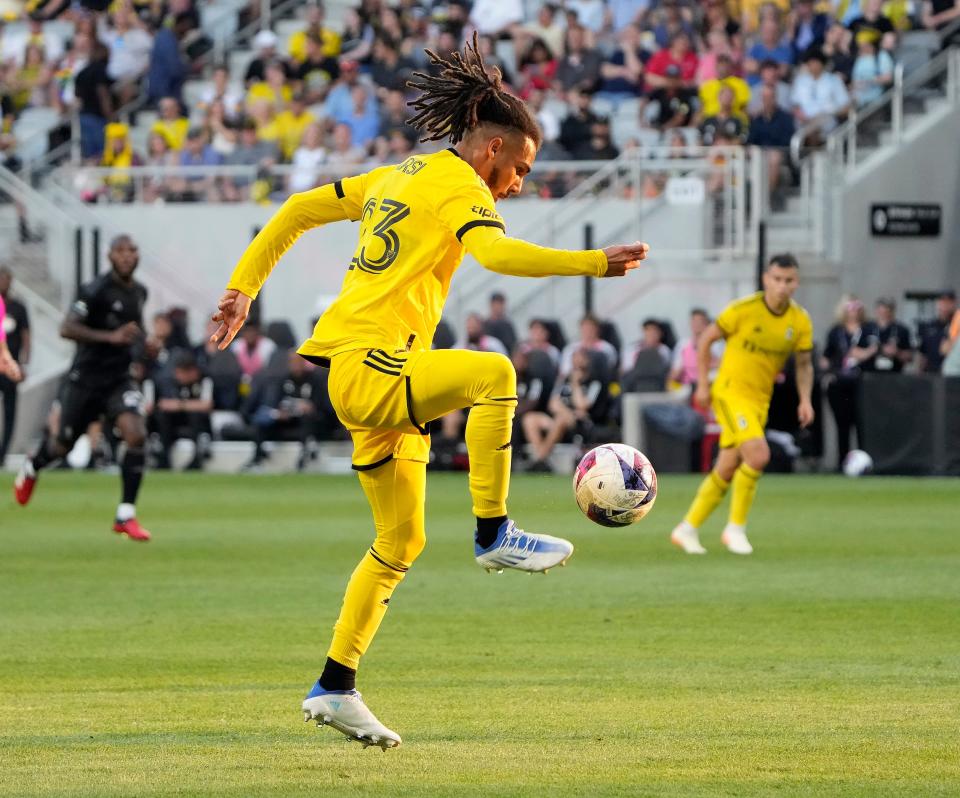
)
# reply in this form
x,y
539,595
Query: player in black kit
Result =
x,y
106,321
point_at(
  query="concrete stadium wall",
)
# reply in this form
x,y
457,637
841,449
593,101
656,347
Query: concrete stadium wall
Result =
x,y
190,250
927,170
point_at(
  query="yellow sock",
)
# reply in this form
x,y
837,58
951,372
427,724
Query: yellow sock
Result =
x,y
744,490
489,428
710,494
396,494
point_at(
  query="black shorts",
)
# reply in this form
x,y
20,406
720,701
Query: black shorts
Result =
x,y
83,401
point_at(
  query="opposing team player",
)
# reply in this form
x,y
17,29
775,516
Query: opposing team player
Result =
x,y
417,220
761,331
106,321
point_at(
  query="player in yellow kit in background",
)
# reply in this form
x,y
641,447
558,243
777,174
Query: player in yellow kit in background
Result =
x,y
417,220
761,331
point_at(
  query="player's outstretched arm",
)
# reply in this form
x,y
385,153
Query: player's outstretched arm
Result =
x,y
499,253
301,212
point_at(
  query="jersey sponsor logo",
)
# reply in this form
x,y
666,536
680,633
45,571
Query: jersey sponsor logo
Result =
x,y
411,166
486,213
756,349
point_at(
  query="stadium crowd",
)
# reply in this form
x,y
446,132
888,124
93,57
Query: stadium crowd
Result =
x,y
260,391
602,76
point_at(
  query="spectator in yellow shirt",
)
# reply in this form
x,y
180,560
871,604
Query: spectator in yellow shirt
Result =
x,y
288,127
273,88
171,125
297,44
710,91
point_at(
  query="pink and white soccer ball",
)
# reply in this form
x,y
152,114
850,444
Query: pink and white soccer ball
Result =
x,y
615,485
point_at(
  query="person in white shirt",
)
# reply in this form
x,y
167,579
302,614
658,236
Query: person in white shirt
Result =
x,y
590,13
493,17
220,89
307,159
591,341
818,95
130,46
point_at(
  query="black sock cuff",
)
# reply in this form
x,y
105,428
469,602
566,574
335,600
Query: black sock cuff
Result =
x,y
487,529
337,676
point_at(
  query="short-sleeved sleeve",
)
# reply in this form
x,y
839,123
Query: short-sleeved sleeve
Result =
x,y
729,319
469,207
82,304
804,333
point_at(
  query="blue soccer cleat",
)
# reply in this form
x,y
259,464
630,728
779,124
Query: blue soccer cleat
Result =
x,y
524,551
345,711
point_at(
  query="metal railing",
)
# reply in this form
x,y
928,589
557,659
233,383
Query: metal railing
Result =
x,y
172,183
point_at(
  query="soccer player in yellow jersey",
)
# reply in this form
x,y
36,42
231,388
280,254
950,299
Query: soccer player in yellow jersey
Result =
x,y
417,220
761,332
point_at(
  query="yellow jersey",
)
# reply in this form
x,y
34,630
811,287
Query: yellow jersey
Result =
x,y
417,221
174,132
759,342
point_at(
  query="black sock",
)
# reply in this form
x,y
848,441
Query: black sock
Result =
x,y
338,677
131,473
487,529
43,458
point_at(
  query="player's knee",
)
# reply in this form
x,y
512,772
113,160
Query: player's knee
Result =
x,y
501,375
413,545
758,456
135,438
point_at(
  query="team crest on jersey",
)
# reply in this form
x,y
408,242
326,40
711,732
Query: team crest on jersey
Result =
x,y
789,333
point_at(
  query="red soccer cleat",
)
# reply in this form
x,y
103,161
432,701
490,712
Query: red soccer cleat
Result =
x,y
131,529
23,486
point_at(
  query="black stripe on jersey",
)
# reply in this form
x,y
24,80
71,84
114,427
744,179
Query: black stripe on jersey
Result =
x,y
373,357
413,420
479,223
379,559
371,466
383,354
382,370
338,187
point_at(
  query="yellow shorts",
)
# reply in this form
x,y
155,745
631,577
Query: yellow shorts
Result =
x,y
370,391
741,418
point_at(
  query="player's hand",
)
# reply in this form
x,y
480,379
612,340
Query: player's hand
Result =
x,y
232,311
623,258
805,414
701,398
9,367
126,335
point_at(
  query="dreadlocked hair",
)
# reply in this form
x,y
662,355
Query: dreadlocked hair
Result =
x,y
463,96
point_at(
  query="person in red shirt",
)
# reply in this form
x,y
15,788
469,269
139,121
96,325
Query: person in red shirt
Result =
x,y
680,55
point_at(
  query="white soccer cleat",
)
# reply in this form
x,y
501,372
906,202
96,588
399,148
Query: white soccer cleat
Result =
x,y
523,551
687,538
346,712
734,537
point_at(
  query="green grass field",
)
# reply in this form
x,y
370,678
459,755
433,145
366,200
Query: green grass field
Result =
x,y
826,664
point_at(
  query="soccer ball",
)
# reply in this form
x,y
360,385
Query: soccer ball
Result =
x,y
857,463
615,485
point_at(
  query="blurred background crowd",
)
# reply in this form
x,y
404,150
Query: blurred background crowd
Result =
x,y
603,76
